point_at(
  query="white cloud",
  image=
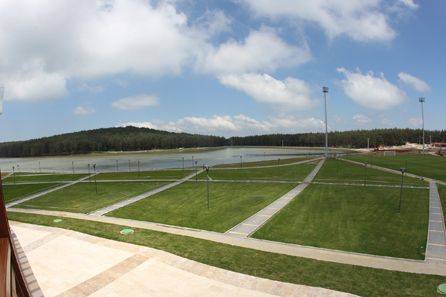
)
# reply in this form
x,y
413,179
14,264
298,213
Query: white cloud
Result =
x,y
135,102
409,3
361,119
264,88
235,125
371,91
83,110
262,50
414,82
415,122
90,88
84,39
361,20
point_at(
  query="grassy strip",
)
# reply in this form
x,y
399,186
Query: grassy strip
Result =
x,y
362,281
186,204
82,197
290,173
158,174
423,165
43,177
353,219
15,192
341,171
277,161
442,191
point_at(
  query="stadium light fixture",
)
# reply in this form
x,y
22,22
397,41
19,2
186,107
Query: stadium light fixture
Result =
x,y
422,100
325,91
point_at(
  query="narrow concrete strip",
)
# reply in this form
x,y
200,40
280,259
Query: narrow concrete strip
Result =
x,y
40,194
436,238
110,208
394,171
268,166
253,223
104,278
6,175
365,260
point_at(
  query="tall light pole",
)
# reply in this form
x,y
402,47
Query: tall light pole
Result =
x,y
422,100
325,91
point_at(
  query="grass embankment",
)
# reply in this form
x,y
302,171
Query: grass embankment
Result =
x,y
278,161
284,173
352,218
23,178
341,171
348,278
442,191
158,174
423,165
186,204
82,197
15,192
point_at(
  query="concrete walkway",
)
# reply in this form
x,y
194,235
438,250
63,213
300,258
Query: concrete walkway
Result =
x,y
268,166
395,171
436,240
253,223
68,263
380,262
40,194
110,208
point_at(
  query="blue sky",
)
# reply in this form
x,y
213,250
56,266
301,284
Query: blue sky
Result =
x,y
235,67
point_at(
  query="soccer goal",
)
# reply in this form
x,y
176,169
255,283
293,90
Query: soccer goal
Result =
x,y
389,153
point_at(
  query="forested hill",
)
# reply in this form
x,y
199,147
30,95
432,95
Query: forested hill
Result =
x,y
348,139
134,139
107,139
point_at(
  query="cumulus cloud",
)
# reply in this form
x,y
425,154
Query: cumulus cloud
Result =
x,y
262,50
266,89
361,20
415,122
409,3
135,102
361,119
414,82
51,42
371,91
234,125
83,111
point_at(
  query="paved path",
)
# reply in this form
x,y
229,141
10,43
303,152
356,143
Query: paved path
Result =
x,y
436,240
40,194
267,166
110,208
254,222
395,171
6,175
68,263
369,184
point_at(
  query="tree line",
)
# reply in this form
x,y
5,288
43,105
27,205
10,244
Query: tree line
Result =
x,y
134,139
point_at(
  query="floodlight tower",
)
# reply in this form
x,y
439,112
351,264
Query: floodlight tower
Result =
x,y
325,91
422,100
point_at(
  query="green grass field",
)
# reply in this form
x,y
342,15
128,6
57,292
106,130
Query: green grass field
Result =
x,y
158,174
15,192
357,280
82,197
442,191
352,218
341,171
423,165
285,173
185,205
42,177
263,163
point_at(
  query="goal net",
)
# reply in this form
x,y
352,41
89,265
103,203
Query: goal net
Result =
x,y
389,153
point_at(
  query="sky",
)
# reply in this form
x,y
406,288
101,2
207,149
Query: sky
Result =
x,y
229,68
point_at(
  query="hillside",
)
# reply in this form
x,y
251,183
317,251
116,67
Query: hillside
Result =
x,y
134,139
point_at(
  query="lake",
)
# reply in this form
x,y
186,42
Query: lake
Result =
x,y
151,160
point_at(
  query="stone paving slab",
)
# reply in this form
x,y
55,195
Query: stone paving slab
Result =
x,y
40,194
436,239
104,268
253,223
120,204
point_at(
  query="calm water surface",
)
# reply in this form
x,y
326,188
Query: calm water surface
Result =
x,y
149,161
